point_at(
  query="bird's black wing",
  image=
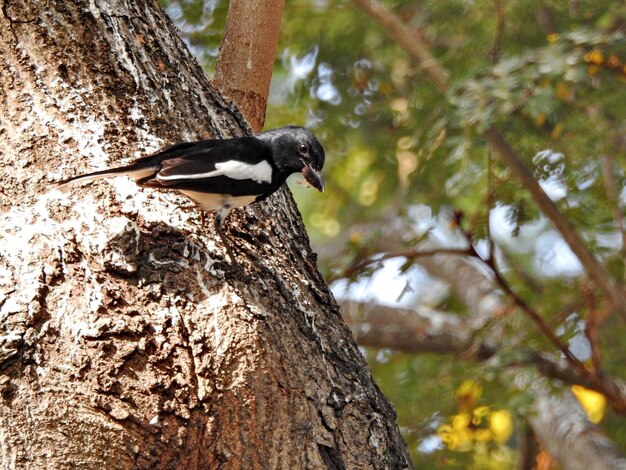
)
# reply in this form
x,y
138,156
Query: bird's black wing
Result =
x,y
142,169
236,167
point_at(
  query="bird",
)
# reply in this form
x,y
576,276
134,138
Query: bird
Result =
x,y
221,174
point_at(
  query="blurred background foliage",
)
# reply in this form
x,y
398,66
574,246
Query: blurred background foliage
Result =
x,y
551,76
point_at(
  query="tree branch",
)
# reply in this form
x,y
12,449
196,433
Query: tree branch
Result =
x,y
411,43
559,422
429,330
246,60
476,289
594,268
565,431
407,330
418,50
360,265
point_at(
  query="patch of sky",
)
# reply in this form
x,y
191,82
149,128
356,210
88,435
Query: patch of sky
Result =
x,y
578,344
551,166
297,68
388,286
325,90
430,444
554,258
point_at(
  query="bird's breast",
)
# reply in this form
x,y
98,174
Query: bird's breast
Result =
x,y
213,202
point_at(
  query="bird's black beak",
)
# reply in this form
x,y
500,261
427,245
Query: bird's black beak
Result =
x,y
313,177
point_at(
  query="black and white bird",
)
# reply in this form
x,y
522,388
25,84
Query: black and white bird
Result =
x,y
221,174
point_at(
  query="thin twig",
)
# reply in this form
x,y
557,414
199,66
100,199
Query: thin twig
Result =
x,y
608,174
359,265
492,247
496,50
595,315
525,307
591,332
518,271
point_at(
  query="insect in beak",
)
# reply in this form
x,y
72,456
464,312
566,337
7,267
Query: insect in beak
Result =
x,y
313,177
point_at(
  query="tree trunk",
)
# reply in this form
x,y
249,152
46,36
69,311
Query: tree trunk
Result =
x,y
126,338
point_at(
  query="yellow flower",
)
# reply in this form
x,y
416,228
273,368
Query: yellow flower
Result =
x,y
483,435
468,393
458,436
479,414
563,92
540,119
553,37
594,57
592,402
501,425
557,131
461,421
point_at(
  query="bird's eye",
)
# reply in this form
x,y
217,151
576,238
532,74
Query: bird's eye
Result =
x,y
303,148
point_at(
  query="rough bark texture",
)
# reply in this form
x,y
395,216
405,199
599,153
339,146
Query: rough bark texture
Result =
x,y
126,340
246,60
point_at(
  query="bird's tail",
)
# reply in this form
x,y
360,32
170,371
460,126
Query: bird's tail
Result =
x,y
137,171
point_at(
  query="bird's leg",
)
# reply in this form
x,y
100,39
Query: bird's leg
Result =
x,y
220,216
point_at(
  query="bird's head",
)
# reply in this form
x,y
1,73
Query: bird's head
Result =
x,y
296,149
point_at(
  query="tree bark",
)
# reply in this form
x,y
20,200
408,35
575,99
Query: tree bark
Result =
x,y
126,339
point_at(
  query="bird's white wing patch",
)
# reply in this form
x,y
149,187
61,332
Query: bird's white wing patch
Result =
x,y
260,172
